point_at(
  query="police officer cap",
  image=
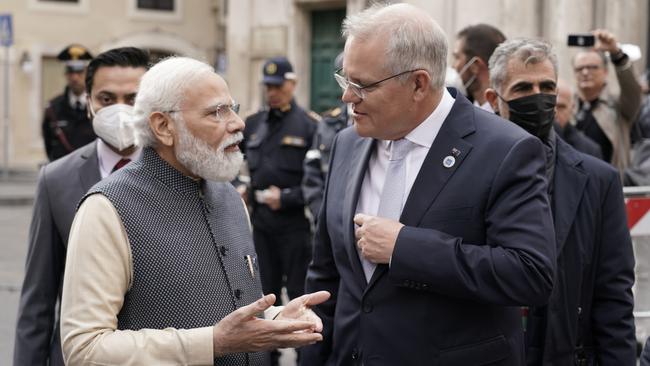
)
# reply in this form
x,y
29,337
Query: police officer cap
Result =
x,y
75,57
276,70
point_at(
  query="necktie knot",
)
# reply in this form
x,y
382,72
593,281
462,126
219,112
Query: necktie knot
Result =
x,y
399,149
120,164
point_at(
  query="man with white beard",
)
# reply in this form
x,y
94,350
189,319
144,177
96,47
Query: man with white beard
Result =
x,y
161,267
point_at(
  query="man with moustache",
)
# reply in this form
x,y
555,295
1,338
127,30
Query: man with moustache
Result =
x,y
588,319
112,81
161,267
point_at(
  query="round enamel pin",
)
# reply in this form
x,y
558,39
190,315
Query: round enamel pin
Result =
x,y
448,161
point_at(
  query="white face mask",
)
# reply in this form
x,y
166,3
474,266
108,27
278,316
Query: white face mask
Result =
x,y
464,70
114,125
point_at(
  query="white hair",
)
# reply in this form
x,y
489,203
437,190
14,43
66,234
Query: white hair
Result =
x,y
415,40
528,51
162,89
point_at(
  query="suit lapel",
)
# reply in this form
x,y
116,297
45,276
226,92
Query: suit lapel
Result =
x,y
569,184
89,168
363,148
433,175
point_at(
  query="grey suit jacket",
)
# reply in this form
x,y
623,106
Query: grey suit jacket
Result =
x,y
61,184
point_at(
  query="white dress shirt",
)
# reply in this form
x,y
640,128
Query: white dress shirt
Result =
x,y
73,99
422,136
108,158
485,106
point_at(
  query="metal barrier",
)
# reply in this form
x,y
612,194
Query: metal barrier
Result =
x,y
637,203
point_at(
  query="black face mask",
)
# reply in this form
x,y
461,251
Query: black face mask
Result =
x,y
534,113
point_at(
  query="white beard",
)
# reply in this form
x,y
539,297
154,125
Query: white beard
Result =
x,y
205,161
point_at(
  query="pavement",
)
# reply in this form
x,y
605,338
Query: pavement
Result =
x,y
18,187
16,198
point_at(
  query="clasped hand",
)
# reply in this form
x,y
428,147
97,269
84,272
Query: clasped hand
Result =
x,y
376,237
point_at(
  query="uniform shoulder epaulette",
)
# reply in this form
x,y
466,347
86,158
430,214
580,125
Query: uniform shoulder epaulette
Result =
x,y
315,116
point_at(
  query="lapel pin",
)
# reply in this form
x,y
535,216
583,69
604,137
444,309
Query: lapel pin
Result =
x,y
448,161
455,152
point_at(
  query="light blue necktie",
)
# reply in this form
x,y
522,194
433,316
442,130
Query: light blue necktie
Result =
x,y
392,196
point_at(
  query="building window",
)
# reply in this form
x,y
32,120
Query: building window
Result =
x,y
59,6
155,10
160,5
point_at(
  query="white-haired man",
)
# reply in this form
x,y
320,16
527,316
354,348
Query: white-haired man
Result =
x,y
474,237
162,251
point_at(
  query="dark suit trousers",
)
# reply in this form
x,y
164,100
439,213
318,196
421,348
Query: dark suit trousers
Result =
x,y
283,260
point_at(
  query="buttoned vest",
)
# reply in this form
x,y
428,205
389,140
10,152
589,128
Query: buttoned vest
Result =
x,y
193,256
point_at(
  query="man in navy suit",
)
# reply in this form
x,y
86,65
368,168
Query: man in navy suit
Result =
x,y
588,320
438,277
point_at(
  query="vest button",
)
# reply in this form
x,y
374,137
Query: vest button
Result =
x,y
355,354
238,294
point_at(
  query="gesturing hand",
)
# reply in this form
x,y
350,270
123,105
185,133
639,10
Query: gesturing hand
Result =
x,y
242,331
376,237
300,309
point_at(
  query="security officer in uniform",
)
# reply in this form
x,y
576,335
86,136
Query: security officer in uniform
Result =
x,y
317,159
66,124
275,143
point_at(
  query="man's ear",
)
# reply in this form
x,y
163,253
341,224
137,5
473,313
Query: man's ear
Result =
x,y
422,85
492,98
162,127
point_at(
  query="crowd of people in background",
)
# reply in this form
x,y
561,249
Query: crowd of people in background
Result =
x,y
469,214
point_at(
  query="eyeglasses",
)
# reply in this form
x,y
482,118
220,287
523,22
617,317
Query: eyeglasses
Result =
x,y
357,89
219,112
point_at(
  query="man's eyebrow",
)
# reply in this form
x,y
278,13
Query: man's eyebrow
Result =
x,y
548,83
521,85
220,103
105,92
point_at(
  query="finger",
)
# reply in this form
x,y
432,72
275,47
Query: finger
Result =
x,y
358,233
317,298
291,326
359,219
252,309
311,316
298,339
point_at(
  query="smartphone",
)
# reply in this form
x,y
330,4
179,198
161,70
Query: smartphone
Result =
x,y
581,40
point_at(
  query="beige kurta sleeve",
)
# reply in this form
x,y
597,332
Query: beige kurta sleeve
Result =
x,y
98,274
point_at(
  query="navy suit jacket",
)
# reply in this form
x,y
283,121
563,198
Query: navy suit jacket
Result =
x,y
61,184
478,243
591,304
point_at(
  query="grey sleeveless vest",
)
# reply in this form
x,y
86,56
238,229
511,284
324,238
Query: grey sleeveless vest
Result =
x,y
189,243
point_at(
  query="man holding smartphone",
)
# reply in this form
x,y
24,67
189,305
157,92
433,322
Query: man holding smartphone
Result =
x,y
603,117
